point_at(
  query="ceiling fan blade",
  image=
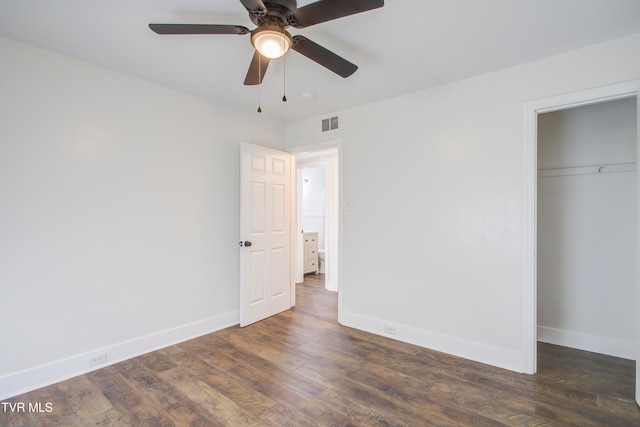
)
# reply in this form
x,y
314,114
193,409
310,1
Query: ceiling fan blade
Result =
x,y
254,6
323,56
258,66
327,10
198,29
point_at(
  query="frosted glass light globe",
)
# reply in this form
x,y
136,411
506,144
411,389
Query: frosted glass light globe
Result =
x,y
271,43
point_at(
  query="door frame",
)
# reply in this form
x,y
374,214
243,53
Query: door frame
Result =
x,y
313,147
530,125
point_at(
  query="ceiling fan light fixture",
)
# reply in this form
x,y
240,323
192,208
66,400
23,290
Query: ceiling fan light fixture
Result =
x,y
271,42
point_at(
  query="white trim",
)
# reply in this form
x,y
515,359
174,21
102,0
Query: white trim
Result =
x,y
293,231
585,97
21,382
530,122
318,147
472,350
637,320
587,342
529,221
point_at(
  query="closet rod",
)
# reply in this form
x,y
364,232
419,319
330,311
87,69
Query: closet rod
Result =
x,y
589,170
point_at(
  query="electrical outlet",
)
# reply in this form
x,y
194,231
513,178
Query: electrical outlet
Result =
x,y
97,359
389,329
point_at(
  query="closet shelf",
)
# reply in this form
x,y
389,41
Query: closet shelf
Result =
x,y
589,170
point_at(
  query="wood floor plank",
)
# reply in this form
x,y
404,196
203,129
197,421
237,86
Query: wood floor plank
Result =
x,y
248,398
211,402
358,412
301,368
130,401
61,414
89,404
270,378
169,401
286,360
293,393
364,401
208,350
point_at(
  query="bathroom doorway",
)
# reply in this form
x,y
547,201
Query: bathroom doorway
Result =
x,y
317,203
317,182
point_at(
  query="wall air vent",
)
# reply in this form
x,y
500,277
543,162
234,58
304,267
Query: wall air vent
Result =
x,y
330,124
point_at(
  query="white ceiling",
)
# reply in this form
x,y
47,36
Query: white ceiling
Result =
x,y
403,47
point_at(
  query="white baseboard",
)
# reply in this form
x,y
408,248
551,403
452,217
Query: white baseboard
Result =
x,y
472,350
21,382
587,342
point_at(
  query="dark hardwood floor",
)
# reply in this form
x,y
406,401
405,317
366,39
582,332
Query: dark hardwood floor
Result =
x,y
300,368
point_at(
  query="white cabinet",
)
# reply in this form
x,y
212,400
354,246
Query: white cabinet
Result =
x,y
310,252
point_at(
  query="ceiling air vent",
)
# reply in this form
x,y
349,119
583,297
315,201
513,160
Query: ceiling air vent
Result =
x,y
330,124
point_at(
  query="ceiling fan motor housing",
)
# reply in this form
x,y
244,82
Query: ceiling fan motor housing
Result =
x,y
279,13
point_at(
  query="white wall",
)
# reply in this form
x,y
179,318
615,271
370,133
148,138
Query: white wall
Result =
x,y
587,235
446,215
313,201
119,215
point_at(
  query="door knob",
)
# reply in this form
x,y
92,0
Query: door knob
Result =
x,y
246,243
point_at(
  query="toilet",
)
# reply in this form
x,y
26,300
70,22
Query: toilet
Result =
x,y
321,260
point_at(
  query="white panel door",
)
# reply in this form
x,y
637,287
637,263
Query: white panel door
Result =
x,y
265,233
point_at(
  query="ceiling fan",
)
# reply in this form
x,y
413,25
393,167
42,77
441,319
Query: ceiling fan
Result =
x,y
270,38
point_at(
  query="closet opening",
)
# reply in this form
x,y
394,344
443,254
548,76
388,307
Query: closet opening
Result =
x,y
582,229
587,227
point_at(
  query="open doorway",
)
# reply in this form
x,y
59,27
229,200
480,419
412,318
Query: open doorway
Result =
x,y
587,221
587,227
532,112
318,215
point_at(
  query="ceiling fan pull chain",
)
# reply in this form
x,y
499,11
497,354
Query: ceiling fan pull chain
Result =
x,y
284,80
284,71
259,84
